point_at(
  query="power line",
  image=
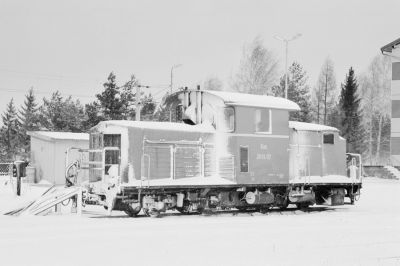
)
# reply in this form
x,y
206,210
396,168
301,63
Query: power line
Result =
x,y
47,92
48,76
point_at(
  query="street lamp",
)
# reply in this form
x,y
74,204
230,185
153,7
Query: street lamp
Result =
x,y
286,41
172,73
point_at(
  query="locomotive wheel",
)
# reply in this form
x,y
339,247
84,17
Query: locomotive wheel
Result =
x,y
284,205
264,210
154,213
184,209
302,205
132,212
241,209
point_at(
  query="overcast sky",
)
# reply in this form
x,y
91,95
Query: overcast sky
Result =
x,y
72,46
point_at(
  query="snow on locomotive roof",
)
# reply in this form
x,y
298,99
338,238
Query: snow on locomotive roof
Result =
x,y
53,135
159,125
265,101
310,126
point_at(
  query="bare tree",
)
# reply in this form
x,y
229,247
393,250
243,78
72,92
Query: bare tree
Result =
x,y
325,92
375,101
258,70
213,83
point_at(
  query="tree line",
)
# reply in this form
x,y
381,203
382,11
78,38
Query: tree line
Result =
x,y
359,107
59,113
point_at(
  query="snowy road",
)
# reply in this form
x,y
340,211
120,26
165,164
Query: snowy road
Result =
x,y
365,234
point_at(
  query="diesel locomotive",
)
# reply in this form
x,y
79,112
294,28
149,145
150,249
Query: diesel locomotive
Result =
x,y
222,150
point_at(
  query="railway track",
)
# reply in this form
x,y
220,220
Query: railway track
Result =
x,y
226,213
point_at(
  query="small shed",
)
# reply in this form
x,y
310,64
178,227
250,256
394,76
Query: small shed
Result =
x,y
48,154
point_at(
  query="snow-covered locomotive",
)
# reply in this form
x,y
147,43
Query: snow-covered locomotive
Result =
x,y
223,150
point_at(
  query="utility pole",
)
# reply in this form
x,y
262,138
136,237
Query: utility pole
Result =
x,y
138,101
286,41
172,76
172,86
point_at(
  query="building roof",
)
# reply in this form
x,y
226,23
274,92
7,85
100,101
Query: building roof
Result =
x,y
51,135
390,46
265,101
301,126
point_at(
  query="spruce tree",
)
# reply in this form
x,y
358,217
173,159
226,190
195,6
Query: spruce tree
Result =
x,y
110,99
59,114
29,119
350,113
299,92
92,115
9,132
149,107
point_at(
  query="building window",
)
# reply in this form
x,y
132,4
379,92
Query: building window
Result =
x,y
112,140
228,120
329,139
244,159
263,121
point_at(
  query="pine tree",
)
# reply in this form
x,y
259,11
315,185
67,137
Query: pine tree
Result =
x,y
92,115
128,98
110,99
149,106
299,92
9,132
28,119
350,113
59,114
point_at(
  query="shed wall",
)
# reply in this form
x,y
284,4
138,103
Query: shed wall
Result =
x,y
49,156
42,157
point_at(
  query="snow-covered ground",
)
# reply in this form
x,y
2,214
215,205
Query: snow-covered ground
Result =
x,y
367,233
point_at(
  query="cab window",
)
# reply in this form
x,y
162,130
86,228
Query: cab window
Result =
x,y
262,120
244,159
329,139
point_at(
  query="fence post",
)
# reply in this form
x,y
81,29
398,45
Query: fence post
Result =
x,y
19,173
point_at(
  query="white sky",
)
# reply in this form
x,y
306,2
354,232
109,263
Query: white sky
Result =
x,y
72,46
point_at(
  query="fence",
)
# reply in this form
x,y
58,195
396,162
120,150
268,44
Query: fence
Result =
x,y
6,169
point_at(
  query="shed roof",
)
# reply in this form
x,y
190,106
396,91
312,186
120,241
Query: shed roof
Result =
x,y
310,126
51,135
244,99
390,46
